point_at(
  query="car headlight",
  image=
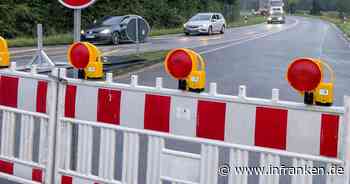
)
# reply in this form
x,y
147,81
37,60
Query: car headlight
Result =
x,y
269,18
280,18
204,26
106,31
82,32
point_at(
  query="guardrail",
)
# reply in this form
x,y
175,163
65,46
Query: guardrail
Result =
x,y
105,132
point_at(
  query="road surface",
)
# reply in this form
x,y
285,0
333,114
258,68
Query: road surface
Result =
x,y
255,56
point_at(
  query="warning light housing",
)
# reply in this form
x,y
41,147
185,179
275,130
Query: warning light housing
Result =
x,y
183,65
4,54
306,76
87,57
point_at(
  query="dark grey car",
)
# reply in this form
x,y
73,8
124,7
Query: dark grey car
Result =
x,y
116,29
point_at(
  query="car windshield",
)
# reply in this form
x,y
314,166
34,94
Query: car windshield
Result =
x,y
200,17
276,3
108,21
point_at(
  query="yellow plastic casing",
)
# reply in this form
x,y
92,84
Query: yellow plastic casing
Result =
x,y
94,69
4,53
197,79
324,94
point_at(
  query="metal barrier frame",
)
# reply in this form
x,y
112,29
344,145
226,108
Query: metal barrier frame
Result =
x,y
58,79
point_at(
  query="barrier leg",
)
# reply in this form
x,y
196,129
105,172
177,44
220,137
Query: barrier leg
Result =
x,y
345,151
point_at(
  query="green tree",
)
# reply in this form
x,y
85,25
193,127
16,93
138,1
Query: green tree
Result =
x,y
316,8
343,6
292,5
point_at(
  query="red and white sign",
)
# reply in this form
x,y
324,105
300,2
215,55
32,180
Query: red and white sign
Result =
x,y
76,4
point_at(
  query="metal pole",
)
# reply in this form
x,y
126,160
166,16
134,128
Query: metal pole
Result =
x,y
77,30
77,25
40,42
137,37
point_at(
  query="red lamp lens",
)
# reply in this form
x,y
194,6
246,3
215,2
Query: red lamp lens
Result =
x,y
304,75
179,64
79,56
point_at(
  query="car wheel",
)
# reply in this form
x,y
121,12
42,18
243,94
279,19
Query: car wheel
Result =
x,y
210,30
187,34
115,38
223,29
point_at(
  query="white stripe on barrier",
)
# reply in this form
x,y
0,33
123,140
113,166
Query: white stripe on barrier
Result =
x,y
8,134
183,116
303,135
240,124
130,158
26,138
209,164
27,90
84,158
44,142
22,171
107,154
155,147
186,172
86,103
132,109
238,158
65,151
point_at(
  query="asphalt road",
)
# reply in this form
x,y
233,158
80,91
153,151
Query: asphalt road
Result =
x,y
255,56
260,61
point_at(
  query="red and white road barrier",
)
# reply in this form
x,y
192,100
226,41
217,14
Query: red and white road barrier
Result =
x,y
22,171
300,130
27,107
271,128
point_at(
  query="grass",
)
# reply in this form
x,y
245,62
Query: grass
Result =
x,y
144,60
333,18
68,38
48,40
252,20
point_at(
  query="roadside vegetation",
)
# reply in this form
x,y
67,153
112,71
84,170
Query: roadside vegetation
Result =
x,y
19,18
59,39
140,61
332,17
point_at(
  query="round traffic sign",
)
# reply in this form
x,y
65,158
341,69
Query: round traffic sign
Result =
x,y
76,4
79,55
179,63
304,75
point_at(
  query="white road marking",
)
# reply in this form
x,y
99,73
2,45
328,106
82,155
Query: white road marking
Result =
x,y
257,36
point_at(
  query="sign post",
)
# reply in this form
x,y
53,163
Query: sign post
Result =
x,y
77,24
77,5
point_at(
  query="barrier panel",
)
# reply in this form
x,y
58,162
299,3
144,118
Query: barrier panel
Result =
x,y
27,109
60,130
95,113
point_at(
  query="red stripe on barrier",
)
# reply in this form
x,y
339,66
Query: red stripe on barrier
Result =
x,y
271,128
329,135
6,167
67,180
157,109
37,175
41,97
9,91
211,120
108,107
69,106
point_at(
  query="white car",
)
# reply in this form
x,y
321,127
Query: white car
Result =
x,y
205,23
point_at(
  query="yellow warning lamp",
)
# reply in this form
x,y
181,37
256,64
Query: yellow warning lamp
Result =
x,y
86,58
188,67
306,75
4,54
